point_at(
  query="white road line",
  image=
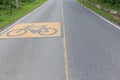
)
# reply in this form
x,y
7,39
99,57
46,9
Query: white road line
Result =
x,y
116,26
22,18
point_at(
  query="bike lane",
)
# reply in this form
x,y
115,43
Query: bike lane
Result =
x,y
35,58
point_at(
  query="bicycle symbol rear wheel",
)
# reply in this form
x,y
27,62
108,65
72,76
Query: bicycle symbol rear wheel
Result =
x,y
16,32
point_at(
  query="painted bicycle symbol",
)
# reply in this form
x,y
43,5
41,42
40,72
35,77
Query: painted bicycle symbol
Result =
x,y
41,30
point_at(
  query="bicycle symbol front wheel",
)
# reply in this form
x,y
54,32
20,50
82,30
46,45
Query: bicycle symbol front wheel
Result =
x,y
16,32
50,31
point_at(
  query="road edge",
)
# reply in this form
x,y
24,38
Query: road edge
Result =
x,y
115,25
22,18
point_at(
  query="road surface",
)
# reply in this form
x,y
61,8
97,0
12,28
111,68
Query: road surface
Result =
x,y
88,47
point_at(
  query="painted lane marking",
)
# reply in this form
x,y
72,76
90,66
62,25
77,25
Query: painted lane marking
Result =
x,y
24,30
65,45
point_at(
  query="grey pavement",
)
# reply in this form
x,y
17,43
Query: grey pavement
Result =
x,y
92,47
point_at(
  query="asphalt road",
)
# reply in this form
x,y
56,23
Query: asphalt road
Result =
x,y
88,48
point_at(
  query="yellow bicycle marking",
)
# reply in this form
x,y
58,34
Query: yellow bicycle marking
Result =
x,y
24,30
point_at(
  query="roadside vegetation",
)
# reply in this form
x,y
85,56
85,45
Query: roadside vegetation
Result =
x,y
11,10
109,9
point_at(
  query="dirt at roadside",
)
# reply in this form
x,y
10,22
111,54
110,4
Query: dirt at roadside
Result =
x,y
114,13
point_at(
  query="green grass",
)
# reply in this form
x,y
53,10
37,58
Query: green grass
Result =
x,y
6,18
106,5
98,11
